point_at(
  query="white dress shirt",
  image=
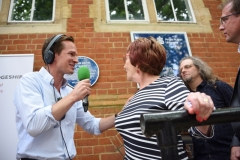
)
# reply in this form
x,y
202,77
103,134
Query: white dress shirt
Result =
x,y
39,133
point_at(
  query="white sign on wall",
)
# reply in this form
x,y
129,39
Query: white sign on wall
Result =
x,y
12,68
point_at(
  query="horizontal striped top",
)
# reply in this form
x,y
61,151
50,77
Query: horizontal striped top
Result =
x,y
166,93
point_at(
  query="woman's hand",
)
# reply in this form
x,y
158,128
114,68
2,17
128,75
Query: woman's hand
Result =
x,y
199,104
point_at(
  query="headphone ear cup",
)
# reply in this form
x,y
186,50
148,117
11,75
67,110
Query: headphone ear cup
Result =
x,y
48,53
49,57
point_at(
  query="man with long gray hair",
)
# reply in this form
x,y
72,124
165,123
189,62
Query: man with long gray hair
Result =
x,y
198,77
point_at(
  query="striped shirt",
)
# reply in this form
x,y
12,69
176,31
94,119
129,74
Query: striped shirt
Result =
x,y
166,93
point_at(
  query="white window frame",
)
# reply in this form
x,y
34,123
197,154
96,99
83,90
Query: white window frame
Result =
x,y
30,21
190,9
145,11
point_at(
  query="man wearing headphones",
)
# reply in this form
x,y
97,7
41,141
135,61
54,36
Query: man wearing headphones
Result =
x,y
47,108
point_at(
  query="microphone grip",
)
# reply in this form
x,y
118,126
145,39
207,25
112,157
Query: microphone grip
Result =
x,y
85,103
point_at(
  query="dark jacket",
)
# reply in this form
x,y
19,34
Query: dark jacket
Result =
x,y
218,147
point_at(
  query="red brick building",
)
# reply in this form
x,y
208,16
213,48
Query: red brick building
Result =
x,y
106,44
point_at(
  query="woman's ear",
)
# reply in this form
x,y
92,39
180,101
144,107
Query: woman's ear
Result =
x,y
137,69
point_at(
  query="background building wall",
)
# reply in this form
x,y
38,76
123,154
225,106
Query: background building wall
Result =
x,y
106,44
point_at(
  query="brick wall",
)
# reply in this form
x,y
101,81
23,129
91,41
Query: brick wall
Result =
x,y
112,90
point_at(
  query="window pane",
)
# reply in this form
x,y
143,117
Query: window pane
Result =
x,y
182,10
164,10
135,10
117,10
43,10
21,10
29,10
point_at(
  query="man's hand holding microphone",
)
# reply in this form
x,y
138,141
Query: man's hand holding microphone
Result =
x,y
82,89
80,92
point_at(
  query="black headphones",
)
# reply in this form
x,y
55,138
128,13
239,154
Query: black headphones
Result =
x,y
49,54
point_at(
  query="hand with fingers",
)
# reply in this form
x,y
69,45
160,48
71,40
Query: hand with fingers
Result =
x,y
235,153
199,104
82,89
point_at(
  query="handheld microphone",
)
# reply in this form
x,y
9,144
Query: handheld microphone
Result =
x,y
84,73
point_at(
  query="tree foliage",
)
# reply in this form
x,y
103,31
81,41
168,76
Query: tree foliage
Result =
x,y
166,13
43,10
117,10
